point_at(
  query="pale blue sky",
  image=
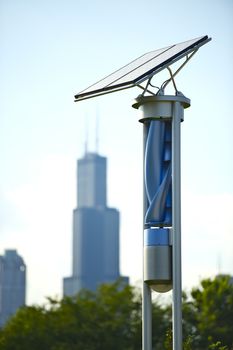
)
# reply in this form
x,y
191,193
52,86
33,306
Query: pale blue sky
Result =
x,y
50,50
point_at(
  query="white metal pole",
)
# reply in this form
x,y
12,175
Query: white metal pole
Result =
x,y
176,219
146,318
156,108
146,291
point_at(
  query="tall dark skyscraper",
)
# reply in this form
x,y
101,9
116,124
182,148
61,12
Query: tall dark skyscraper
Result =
x,y
95,229
12,284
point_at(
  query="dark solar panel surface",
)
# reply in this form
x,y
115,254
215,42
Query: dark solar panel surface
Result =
x,y
142,68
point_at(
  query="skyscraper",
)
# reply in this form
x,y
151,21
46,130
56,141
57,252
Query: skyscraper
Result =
x,y
95,229
12,284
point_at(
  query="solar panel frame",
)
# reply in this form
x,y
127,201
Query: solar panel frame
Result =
x,y
127,67
101,88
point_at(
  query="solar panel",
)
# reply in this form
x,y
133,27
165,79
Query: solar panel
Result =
x,y
142,68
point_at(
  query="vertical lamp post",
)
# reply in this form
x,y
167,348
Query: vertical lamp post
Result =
x,y
161,118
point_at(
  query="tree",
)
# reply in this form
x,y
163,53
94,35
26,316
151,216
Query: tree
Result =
x,y
26,330
110,318
107,319
209,314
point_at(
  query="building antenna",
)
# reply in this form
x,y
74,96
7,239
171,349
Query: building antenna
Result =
x,y
97,130
86,135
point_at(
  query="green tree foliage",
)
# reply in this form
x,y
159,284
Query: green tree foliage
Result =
x,y
207,316
111,319
211,312
107,319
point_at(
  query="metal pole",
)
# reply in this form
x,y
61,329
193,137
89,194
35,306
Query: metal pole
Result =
x,y
162,108
176,219
146,291
146,318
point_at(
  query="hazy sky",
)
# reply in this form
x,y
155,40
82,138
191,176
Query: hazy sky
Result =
x,y
51,50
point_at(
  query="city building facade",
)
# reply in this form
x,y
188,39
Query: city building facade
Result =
x,y
95,229
12,284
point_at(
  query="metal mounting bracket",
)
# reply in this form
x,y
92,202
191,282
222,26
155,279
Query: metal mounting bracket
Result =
x,y
166,82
